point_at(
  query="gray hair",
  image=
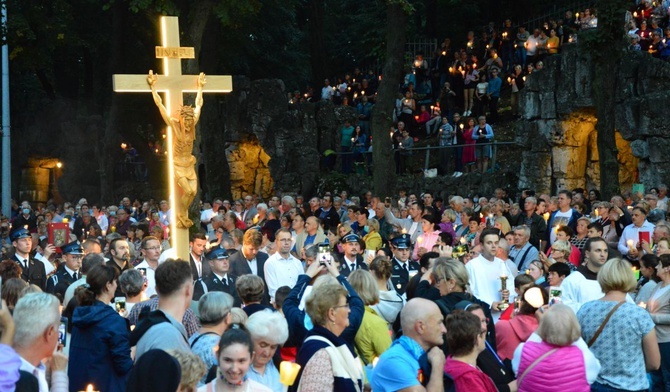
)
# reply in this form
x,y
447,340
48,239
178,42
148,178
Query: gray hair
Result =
x,y
311,251
33,314
456,200
268,325
131,282
525,229
289,200
262,206
531,199
214,306
504,245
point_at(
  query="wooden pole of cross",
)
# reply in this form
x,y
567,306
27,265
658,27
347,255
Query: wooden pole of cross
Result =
x,y
172,84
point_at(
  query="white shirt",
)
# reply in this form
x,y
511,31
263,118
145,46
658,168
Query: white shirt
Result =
x,y
662,204
632,232
253,265
577,290
59,380
103,222
48,267
280,271
560,219
198,264
150,275
485,280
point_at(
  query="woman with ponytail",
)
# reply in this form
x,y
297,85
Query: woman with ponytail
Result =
x,y
100,351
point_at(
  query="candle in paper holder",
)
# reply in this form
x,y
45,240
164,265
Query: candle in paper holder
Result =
x,y
288,371
89,388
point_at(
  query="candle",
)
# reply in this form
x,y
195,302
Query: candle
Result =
x,y
419,240
363,92
462,241
524,78
534,297
461,126
503,270
403,231
637,273
509,80
635,14
577,15
451,69
596,212
642,305
631,244
391,134
288,371
444,53
65,220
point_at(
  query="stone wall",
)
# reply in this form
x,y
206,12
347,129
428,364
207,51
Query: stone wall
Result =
x,y
557,129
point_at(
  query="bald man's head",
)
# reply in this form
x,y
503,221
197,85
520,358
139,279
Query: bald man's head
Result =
x,y
422,321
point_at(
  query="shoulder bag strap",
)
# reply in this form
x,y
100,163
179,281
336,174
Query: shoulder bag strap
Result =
x,y
602,326
532,365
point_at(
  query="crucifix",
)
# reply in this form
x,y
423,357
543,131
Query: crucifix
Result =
x,y
180,120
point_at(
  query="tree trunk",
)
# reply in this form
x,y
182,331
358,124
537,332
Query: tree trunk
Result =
x,y
607,44
382,116
104,148
317,43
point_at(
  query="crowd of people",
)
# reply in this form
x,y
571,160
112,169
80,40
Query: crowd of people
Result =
x,y
470,293
442,92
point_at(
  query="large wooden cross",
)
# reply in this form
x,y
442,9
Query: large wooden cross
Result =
x,y
173,85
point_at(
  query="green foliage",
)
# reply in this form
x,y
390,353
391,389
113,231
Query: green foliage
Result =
x,y
331,182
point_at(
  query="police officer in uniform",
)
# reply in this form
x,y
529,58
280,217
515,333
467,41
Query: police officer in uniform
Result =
x,y
219,279
351,259
68,271
33,270
403,267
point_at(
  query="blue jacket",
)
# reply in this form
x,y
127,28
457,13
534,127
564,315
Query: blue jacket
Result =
x,y
100,351
299,322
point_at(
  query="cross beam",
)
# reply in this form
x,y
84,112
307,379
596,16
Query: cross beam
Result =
x,y
173,85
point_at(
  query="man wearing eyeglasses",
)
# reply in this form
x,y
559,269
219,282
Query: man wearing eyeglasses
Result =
x,y
151,251
67,272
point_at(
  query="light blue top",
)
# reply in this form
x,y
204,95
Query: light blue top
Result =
x,y
270,378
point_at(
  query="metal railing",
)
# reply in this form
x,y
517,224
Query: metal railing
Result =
x,y
494,151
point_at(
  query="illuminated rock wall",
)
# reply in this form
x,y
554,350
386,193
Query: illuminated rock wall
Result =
x,y
558,122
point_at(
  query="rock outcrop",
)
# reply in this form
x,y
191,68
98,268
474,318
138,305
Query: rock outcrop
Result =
x,y
557,129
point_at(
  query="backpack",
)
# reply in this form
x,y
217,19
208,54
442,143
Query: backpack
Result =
x,y
147,319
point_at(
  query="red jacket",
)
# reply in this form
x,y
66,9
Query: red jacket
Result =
x,y
510,333
468,378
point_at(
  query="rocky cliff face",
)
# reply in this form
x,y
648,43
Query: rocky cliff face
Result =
x,y
557,129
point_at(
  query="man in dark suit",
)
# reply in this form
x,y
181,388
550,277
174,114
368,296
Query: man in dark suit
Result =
x,y
328,215
403,267
33,270
68,272
249,260
199,268
351,259
219,279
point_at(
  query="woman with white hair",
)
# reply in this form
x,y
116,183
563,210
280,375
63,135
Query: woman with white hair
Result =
x,y
215,317
268,330
556,342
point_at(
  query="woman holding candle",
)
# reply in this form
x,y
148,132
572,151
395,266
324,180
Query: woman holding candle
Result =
x,y
510,333
658,306
626,346
234,354
99,347
327,361
431,233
